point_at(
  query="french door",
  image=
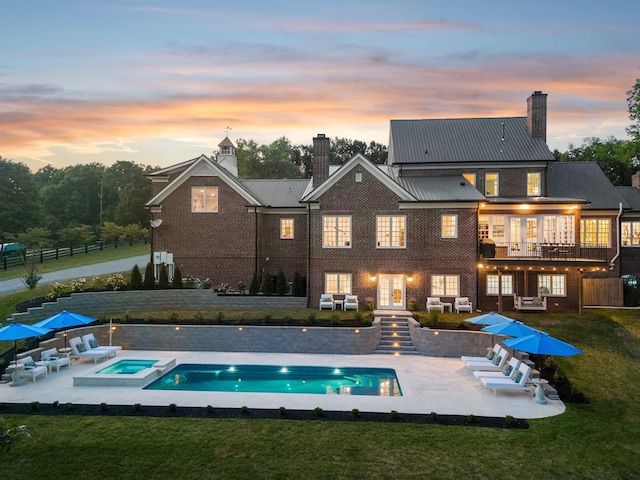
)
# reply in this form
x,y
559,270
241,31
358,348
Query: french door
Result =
x,y
391,292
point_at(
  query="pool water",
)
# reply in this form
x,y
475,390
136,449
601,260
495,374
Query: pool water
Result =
x,y
127,367
278,379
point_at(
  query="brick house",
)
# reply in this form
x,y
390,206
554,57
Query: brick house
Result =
x,y
463,207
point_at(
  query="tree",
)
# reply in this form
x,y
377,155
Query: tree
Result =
x,y
136,278
633,101
149,277
163,278
298,289
20,204
254,288
112,232
267,161
76,235
267,288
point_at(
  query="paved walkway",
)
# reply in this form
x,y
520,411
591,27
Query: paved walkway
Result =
x,y
123,265
429,384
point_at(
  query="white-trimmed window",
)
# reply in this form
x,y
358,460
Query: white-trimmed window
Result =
x,y
533,184
204,199
595,232
483,226
390,231
336,231
470,177
559,229
286,228
507,284
552,285
630,234
491,184
445,285
449,226
339,283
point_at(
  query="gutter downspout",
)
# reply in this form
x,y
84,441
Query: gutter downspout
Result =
x,y
308,253
612,263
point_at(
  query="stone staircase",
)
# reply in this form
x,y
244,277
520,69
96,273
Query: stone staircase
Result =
x,y
396,339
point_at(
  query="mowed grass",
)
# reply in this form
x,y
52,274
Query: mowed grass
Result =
x,y
589,441
79,259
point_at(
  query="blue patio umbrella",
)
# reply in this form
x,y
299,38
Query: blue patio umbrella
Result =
x,y
64,319
513,328
542,343
491,318
18,331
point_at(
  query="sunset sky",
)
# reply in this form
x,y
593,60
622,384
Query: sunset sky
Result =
x,y
156,82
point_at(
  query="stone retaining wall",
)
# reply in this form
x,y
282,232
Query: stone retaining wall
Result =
x,y
103,304
449,343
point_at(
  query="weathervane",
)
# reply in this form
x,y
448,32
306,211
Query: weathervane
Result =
x,y
227,130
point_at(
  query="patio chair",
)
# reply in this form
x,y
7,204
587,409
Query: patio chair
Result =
x,y
80,351
434,303
27,367
462,304
494,365
55,359
517,383
326,301
350,302
508,371
91,343
489,356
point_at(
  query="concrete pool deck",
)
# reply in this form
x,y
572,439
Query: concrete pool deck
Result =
x,y
429,384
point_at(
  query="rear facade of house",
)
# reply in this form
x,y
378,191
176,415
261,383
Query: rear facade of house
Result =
x,y
475,208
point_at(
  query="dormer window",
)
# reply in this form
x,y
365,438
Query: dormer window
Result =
x,y
533,184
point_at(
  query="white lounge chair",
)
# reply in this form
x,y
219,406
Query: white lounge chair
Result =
x,y
494,365
462,304
350,302
55,359
80,351
326,301
508,371
489,356
27,367
92,344
434,303
517,383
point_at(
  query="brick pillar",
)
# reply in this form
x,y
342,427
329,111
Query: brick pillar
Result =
x,y
320,163
635,180
537,115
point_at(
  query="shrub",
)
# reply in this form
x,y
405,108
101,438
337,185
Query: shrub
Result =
x,y
433,416
266,318
509,420
471,418
434,318
209,409
394,415
318,412
163,278
177,278
282,411
103,407
97,283
241,287
266,285
136,278
57,289
218,317
355,412
35,406
149,277
412,304
369,303
78,285
358,317
173,408
206,283
298,288
174,317
334,319
281,283
244,410
198,316
137,407
311,317
116,281
68,406
254,288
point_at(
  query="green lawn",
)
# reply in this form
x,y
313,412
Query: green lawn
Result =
x,y
595,440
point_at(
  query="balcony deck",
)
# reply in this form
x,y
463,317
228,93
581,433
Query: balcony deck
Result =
x,y
569,255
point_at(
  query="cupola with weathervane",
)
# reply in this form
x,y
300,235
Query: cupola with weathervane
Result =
x,y
226,156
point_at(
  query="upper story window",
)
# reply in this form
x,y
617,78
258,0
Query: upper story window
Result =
x,y
491,184
630,233
445,285
286,228
390,231
533,184
204,199
449,226
483,227
470,177
336,231
595,232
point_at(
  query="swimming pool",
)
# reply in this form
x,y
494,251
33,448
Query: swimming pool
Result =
x,y
126,367
279,379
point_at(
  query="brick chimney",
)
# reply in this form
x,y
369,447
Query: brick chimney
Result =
x,y
537,115
320,160
635,180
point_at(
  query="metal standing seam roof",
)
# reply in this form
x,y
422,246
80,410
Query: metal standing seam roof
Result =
x,y
631,196
277,193
583,180
459,140
445,188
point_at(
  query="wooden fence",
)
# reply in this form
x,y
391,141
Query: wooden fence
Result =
x,y
603,291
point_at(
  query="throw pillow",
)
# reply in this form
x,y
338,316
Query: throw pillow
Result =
x,y
491,355
93,343
517,377
496,361
507,370
81,348
463,302
30,364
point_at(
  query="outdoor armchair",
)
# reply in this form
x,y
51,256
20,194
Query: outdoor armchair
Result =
x,y
55,359
434,303
350,302
326,301
462,304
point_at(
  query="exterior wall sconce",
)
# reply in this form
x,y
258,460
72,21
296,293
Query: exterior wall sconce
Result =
x,y
373,278
409,279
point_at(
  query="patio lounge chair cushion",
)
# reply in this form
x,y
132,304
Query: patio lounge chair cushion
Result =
x,y
495,365
80,351
508,370
517,383
489,356
91,343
